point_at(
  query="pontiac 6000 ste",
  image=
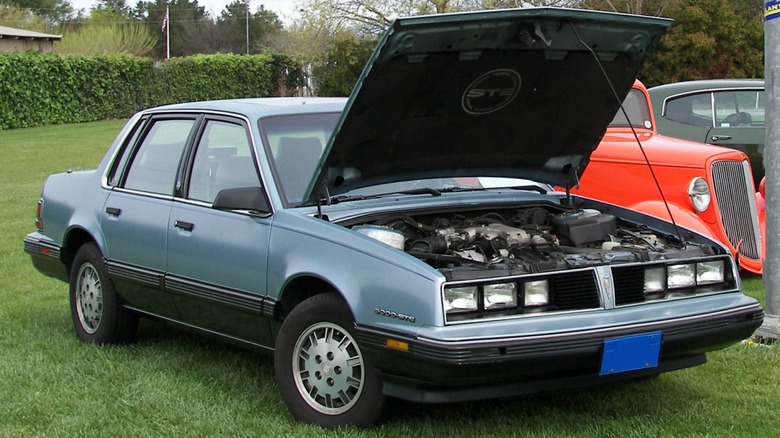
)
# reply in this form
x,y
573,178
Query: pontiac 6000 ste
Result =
x,y
404,242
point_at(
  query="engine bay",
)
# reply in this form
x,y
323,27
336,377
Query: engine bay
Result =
x,y
485,243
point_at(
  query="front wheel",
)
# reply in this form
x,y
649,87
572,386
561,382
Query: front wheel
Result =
x,y
322,374
96,309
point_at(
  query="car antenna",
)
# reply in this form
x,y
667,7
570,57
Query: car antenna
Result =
x,y
633,131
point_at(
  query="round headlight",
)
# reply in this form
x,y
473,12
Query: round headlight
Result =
x,y
699,191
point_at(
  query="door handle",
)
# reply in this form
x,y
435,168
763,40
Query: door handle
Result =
x,y
113,211
186,226
720,137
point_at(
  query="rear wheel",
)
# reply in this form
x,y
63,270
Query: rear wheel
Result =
x,y
96,309
322,374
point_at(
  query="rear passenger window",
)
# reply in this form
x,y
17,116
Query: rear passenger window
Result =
x,y
223,160
157,159
695,109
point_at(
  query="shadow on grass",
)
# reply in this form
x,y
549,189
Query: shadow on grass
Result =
x,y
241,374
560,413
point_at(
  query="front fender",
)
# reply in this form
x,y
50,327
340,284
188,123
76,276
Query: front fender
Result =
x,y
383,286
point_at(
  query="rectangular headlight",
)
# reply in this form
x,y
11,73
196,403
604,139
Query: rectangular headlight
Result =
x,y
460,299
655,280
680,276
710,272
500,296
536,293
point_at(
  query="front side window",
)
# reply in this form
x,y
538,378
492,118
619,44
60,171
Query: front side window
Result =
x,y
156,161
223,160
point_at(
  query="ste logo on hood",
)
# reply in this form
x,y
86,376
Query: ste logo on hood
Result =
x,y
491,91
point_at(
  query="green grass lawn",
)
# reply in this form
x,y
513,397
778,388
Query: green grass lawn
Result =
x,y
171,383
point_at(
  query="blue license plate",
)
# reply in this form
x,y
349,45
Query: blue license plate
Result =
x,y
630,353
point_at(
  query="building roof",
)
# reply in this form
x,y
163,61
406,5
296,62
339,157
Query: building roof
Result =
x,y
10,32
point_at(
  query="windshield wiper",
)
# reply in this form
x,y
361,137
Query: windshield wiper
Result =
x,y
420,191
532,188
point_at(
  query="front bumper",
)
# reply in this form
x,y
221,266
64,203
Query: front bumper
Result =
x,y
442,371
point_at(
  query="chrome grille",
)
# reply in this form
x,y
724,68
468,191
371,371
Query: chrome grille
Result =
x,y
732,181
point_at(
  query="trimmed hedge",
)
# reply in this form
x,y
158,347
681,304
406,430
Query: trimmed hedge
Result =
x,y
40,89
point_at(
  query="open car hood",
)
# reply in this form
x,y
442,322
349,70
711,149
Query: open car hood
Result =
x,y
522,93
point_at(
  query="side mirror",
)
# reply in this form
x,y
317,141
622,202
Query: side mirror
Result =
x,y
242,198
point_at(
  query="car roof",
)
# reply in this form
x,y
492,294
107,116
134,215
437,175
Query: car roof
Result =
x,y
704,85
255,108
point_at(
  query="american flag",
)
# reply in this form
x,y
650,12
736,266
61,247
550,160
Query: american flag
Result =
x,y
165,19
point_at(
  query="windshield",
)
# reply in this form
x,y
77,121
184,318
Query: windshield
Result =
x,y
638,110
295,144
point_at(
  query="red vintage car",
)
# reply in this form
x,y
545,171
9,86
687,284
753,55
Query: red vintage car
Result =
x,y
708,189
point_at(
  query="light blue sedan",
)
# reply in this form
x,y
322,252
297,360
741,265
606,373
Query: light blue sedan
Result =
x,y
404,242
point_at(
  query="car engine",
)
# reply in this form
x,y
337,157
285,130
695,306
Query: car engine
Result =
x,y
522,240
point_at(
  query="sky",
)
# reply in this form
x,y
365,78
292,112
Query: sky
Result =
x,y
285,9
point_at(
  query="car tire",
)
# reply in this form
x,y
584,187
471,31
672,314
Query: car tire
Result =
x,y
96,309
322,374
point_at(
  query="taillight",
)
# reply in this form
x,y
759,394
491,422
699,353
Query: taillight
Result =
x,y
38,217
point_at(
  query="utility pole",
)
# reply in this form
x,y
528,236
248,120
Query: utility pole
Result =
x,y
770,330
247,27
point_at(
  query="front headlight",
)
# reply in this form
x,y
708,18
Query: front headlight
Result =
x,y
655,280
699,191
680,276
536,293
710,272
500,296
460,299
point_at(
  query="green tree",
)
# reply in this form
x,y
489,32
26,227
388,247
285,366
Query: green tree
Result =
x,y
186,25
713,39
120,7
708,39
232,28
108,30
12,16
337,74
55,11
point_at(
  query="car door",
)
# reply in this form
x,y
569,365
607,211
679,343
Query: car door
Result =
x,y
136,213
217,258
729,118
739,124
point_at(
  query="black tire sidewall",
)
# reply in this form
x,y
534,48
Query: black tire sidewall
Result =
x,y
116,324
324,308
